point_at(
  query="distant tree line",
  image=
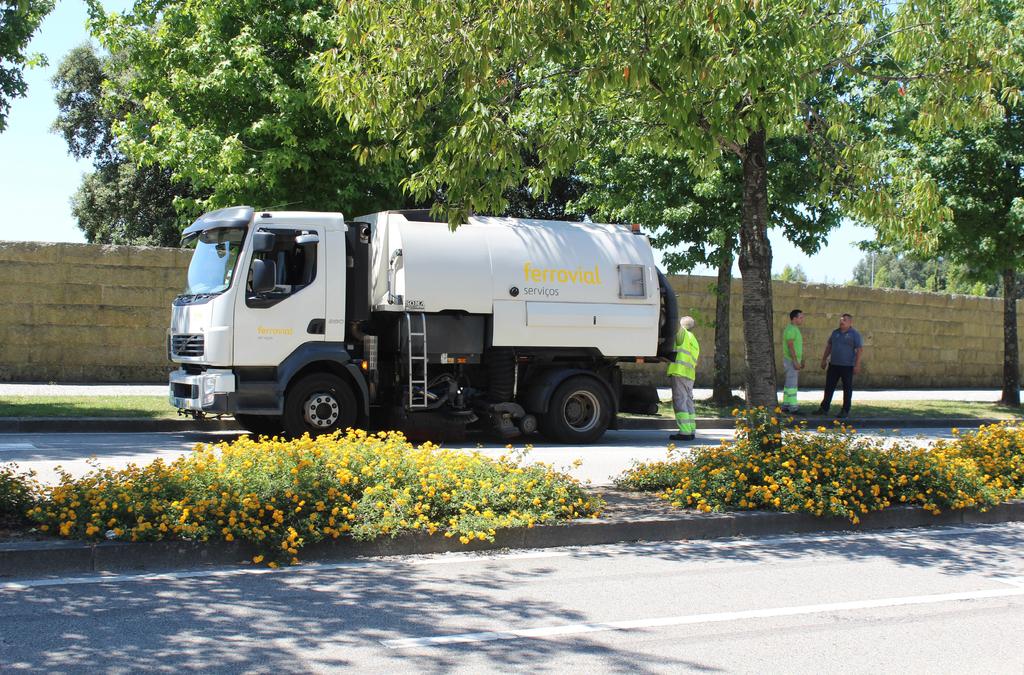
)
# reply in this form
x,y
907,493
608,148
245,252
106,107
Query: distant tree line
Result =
x,y
886,269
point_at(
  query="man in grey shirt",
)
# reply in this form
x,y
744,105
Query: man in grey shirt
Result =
x,y
842,358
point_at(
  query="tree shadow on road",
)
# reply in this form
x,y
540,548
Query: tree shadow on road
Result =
x,y
298,621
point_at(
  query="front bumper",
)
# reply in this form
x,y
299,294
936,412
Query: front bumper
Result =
x,y
211,391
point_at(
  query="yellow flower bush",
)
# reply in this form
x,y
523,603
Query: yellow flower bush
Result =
x,y
836,472
282,495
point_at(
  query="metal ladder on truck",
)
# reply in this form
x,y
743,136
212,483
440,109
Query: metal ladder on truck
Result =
x,y
417,361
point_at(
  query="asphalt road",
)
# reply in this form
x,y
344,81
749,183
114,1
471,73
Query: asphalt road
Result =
x,y
76,453
939,600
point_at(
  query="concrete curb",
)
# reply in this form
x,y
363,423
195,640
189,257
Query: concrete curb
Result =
x,y
35,425
632,517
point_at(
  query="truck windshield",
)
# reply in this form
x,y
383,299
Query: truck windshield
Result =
x,y
213,264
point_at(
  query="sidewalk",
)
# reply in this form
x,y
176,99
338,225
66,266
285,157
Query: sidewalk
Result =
x,y
808,396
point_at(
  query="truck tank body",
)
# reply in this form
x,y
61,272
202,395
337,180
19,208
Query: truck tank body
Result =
x,y
546,283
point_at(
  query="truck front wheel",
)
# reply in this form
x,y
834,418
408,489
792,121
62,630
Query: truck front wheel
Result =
x,y
319,404
579,411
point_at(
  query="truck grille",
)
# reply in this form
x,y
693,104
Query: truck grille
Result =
x,y
187,345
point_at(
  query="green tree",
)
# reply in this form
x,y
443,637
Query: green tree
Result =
x,y
889,269
695,220
19,20
557,204
465,88
222,96
119,202
980,173
794,274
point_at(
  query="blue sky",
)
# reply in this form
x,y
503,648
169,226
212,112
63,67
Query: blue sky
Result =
x,y
38,177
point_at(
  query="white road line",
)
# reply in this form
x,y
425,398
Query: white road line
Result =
x,y
581,628
1013,581
11,447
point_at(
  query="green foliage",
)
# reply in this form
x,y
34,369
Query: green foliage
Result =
x,y
887,269
19,20
82,121
558,204
469,88
695,219
978,172
120,202
18,493
794,274
124,203
222,96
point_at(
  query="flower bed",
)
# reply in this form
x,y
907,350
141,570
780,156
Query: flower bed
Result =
x,y
281,495
836,472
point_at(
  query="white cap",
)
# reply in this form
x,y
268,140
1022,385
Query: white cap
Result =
x,y
687,322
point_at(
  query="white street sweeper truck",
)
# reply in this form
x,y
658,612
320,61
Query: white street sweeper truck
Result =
x,y
299,322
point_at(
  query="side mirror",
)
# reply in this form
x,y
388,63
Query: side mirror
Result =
x,y
264,275
263,242
307,239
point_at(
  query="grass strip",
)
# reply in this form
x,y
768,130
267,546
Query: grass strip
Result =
x,y
144,407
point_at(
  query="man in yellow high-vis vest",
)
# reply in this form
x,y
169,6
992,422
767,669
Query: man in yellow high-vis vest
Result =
x,y
682,374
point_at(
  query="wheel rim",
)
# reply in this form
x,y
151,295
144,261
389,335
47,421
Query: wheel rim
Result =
x,y
581,411
321,410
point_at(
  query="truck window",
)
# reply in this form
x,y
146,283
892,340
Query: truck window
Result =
x,y
295,268
631,281
213,263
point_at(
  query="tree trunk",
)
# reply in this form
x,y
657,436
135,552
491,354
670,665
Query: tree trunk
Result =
x,y
756,268
721,392
1011,357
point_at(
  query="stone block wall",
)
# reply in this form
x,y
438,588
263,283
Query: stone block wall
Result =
x,y
911,340
87,313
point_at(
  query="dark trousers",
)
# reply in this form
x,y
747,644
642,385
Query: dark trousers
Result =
x,y
832,376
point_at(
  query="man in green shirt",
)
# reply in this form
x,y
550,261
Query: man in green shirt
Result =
x,y
792,360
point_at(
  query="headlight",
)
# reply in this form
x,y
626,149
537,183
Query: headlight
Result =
x,y
209,385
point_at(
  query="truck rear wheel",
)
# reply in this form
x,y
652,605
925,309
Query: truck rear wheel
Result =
x,y
319,404
579,411
261,425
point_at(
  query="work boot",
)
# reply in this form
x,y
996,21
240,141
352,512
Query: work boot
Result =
x,y
682,437
843,414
